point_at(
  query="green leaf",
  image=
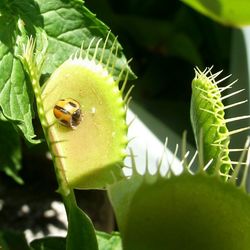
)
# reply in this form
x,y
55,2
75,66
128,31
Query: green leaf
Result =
x,y
10,151
109,241
15,92
81,233
69,25
13,241
49,243
227,12
181,212
105,242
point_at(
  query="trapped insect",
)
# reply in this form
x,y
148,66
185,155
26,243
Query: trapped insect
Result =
x,y
68,112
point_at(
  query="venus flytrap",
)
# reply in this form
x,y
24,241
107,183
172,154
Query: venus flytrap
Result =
x,y
195,210
207,117
90,154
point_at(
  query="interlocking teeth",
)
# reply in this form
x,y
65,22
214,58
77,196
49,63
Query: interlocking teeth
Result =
x,y
207,114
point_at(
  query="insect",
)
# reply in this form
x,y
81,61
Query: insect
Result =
x,y
68,112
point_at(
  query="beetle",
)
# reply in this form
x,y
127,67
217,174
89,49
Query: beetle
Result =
x,y
68,112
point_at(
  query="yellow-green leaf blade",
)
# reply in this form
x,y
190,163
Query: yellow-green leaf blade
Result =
x,y
227,12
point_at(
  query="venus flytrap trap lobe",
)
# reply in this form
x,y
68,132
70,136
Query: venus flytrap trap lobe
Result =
x,y
92,154
89,155
207,116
